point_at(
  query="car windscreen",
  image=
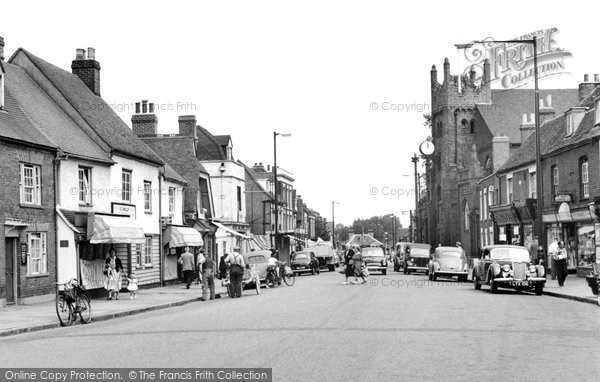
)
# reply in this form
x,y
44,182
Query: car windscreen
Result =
x,y
378,252
301,256
419,252
449,255
256,259
515,254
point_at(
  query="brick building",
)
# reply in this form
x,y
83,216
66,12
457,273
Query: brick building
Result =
x,y
27,226
260,211
474,130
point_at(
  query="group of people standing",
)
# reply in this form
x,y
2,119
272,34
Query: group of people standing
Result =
x,y
354,265
113,277
206,270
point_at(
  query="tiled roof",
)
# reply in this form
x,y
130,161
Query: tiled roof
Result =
x,y
252,175
504,115
222,140
171,174
41,120
14,124
208,147
550,132
178,152
96,112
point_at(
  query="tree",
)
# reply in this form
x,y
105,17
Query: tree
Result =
x,y
321,229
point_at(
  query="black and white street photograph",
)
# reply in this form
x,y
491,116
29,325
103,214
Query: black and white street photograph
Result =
x,y
247,191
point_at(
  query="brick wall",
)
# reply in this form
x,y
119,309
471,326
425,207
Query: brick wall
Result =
x,y
144,124
89,72
39,218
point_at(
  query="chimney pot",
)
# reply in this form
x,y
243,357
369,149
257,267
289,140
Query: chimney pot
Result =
x,y
137,108
532,117
541,103
91,54
597,77
144,106
151,107
80,54
549,100
586,78
525,119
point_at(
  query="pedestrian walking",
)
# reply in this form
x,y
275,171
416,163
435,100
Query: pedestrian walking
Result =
x,y
357,264
349,271
552,250
236,272
223,266
560,263
112,272
208,279
187,266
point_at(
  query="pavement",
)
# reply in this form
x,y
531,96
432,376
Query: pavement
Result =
x,y
18,319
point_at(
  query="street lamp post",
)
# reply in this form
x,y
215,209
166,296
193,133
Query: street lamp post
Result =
x,y
415,159
333,224
538,153
275,182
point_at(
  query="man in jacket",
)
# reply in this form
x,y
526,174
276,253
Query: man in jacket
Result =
x,y
187,266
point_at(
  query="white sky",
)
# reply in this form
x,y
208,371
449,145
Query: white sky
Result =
x,y
310,68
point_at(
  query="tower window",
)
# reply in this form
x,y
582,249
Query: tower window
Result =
x,y
472,124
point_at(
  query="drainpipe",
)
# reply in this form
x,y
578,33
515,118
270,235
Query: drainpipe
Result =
x,y
160,238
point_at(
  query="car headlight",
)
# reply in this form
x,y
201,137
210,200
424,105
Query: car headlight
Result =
x,y
465,268
412,260
532,269
506,267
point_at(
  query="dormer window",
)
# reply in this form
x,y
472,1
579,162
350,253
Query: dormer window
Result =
x,y
574,116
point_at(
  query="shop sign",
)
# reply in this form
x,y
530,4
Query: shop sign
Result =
x,y
505,216
562,198
124,209
583,215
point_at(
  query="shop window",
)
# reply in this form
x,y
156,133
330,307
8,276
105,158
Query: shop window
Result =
x,y
31,184
584,179
586,250
37,256
137,256
148,252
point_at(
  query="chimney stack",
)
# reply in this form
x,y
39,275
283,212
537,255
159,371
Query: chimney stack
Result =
x,y
1,48
586,87
144,123
500,151
187,125
527,127
87,69
446,70
547,112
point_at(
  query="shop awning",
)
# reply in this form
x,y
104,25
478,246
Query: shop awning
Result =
x,y
504,214
229,230
178,236
295,238
115,230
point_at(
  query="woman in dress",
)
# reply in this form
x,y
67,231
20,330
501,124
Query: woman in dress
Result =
x,y
113,268
357,264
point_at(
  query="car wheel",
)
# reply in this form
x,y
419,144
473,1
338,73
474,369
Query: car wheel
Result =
x,y
493,286
427,272
395,268
519,290
539,289
331,268
405,271
384,272
313,271
476,283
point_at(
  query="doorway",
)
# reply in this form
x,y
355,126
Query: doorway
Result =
x,y
10,270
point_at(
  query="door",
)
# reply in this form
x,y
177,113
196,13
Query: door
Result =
x,y
10,270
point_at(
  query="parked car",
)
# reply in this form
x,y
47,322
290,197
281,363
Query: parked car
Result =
x,y
417,259
374,259
304,262
260,260
448,262
508,266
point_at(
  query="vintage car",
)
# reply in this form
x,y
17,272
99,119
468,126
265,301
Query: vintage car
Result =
x,y
448,262
399,256
305,261
508,266
260,260
416,258
374,259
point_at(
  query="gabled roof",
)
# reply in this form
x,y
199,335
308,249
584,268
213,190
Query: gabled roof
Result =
x,y
94,110
250,173
178,153
37,118
504,115
208,146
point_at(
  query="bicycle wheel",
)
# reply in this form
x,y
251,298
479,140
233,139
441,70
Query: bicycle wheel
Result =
x,y
289,279
64,311
85,308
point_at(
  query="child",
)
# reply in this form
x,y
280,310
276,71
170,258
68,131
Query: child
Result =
x,y
132,287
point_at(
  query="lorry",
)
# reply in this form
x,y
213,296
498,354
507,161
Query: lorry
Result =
x,y
326,255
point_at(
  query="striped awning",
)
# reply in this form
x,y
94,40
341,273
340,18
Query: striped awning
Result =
x,y
178,236
116,230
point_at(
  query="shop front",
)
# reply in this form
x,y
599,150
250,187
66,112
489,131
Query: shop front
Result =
x,y
105,232
175,239
576,225
526,214
508,225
